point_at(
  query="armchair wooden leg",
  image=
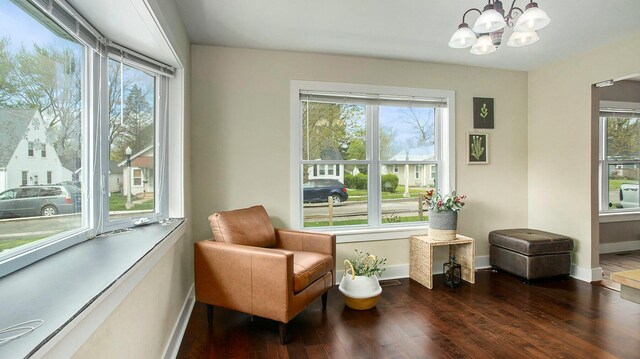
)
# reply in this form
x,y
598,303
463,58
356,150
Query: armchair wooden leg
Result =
x,y
210,315
324,300
282,329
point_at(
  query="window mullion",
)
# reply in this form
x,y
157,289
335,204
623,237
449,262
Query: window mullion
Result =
x,y
373,140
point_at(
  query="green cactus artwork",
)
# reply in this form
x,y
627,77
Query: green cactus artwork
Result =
x,y
476,147
484,112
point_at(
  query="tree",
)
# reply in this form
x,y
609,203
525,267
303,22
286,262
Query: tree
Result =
x,y
7,87
323,130
137,129
49,80
623,136
423,122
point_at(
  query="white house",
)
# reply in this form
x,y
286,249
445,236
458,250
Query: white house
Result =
x,y
140,174
331,171
418,175
26,156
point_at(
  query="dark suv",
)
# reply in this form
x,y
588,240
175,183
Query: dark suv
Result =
x,y
46,200
319,190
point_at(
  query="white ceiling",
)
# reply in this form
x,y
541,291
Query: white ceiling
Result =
x,y
401,29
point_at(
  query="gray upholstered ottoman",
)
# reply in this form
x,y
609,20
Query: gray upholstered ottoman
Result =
x,y
530,253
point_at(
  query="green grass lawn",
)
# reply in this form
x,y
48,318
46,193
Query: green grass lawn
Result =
x,y
614,184
117,202
12,243
360,195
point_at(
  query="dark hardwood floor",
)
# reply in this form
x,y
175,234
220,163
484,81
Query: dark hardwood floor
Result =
x,y
616,262
498,317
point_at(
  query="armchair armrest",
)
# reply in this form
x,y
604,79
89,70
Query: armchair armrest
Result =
x,y
294,240
253,280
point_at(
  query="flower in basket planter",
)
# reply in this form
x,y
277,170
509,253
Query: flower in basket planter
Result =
x,y
436,202
360,285
443,214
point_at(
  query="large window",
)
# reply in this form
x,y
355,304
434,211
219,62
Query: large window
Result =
x,y
343,140
41,77
82,150
132,119
619,160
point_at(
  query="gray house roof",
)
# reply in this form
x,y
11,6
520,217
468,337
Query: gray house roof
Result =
x,y
13,127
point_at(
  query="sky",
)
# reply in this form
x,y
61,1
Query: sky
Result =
x,y
24,30
391,117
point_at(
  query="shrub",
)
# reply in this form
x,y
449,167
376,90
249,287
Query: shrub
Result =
x,y
349,180
361,181
389,182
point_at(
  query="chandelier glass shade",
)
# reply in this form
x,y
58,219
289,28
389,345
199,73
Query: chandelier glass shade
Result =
x,y
533,19
483,46
489,21
463,37
487,32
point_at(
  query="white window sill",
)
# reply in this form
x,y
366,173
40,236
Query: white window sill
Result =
x,y
619,217
373,234
75,290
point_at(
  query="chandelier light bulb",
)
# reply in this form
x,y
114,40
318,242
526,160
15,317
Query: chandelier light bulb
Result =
x,y
519,39
463,37
483,46
533,19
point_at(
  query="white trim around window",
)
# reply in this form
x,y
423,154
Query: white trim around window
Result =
x,y
445,152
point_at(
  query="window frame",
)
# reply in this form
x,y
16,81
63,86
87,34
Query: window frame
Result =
x,y
603,168
445,136
94,160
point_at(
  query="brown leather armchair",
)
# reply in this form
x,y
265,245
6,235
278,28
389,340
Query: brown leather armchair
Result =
x,y
253,268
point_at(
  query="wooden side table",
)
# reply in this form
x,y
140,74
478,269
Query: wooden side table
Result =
x,y
421,257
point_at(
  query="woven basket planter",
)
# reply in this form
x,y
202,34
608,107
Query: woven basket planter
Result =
x,y
443,225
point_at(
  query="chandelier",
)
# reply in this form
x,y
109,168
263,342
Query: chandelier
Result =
x,y
488,30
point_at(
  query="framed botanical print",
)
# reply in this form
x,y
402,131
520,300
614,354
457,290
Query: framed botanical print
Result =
x,y
477,148
482,112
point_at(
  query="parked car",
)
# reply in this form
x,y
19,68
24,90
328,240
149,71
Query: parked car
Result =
x,y
48,200
629,196
319,190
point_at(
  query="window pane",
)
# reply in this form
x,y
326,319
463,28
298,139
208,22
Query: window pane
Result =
x,y
347,188
131,141
623,186
41,71
401,191
407,133
333,131
623,140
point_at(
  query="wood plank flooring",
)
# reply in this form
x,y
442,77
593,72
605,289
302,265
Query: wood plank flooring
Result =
x,y
498,317
616,262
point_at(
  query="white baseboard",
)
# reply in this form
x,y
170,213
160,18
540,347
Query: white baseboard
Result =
x,y
402,270
619,247
171,350
586,274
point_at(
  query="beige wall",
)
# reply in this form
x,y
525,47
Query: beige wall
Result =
x,y
240,137
142,325
562,157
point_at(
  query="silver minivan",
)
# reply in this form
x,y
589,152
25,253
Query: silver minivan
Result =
x,y
46,200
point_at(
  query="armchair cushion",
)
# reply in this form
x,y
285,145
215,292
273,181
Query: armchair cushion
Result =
x,y
248,226
309,267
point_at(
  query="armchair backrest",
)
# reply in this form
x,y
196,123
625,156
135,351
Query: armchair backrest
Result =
x,y
248,226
